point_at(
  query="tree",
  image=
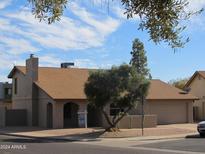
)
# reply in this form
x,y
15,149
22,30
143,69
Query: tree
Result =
x,y
139,65
160,18
119,86
179,83
139,59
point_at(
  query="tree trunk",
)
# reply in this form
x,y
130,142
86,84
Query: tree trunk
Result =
x,y
107,118
113,123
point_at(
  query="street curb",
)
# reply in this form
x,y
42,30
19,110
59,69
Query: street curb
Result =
x,y
73,139
152,139
40,138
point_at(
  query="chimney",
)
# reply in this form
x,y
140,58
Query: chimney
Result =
x,y
67,65
32,67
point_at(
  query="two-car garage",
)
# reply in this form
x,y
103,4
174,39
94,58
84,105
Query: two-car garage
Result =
x,y
170,104
171,111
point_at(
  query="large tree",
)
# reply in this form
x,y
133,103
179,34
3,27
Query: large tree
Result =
x,y
161,18
139,65
120,87
139,58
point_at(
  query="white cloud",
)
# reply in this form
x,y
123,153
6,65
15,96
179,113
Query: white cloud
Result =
x,y
119,11
9,60
3,78
21,33
195,5
4,3
16,46
68,34
85,63
103,27
50,60
89,63
196,22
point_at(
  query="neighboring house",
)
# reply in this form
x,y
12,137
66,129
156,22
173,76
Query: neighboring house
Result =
x,y
5,94
55,98
196,86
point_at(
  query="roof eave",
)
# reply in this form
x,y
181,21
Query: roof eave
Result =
x,y
12,72
192,78
70,99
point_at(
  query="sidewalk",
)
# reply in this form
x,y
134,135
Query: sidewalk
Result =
x,y
85,134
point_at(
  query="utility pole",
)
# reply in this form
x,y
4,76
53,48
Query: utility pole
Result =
x,y
142,120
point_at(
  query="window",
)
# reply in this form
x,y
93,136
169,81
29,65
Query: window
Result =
x,y
15,85
199,77
7,93
114,110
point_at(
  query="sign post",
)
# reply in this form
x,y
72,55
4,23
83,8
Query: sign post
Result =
x,y
82,119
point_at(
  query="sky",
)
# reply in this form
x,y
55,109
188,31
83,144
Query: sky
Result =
x,y
94,36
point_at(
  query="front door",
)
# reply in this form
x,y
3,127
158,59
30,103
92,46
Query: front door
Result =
x,y
70,115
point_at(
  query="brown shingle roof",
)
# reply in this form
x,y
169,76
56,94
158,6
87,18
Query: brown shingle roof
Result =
x,y
62,83
69,83
161,90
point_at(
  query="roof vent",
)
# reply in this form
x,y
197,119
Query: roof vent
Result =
x,y
31,55
187,89
183,92
67,65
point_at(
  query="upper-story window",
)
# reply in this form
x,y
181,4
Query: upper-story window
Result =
x,y
199,77
7,93
15,85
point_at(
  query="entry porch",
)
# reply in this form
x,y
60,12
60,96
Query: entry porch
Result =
x,y
67,114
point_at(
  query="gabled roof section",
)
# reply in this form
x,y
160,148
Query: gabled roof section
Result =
x,y
201,73
63,83
22,69
60,83
163,91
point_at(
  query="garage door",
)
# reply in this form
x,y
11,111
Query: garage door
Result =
x,y
169,112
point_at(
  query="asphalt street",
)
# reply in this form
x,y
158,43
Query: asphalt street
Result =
x,y
20,145
190,144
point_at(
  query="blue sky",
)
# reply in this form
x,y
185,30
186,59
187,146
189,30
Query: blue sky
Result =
x,y
93,37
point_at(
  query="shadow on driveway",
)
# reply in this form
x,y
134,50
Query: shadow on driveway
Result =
x,y
88,137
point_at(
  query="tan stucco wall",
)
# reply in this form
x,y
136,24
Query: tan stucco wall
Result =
x,y
43,100
134,121
23,98
198,89
158,112
170,111
58,120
